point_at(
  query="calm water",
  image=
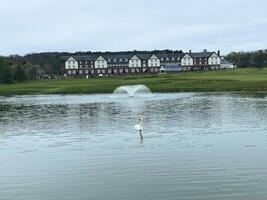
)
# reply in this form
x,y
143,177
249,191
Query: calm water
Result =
x,y
196,146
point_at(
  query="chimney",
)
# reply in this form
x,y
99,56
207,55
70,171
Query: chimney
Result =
x,y
219,53
190,51
205,50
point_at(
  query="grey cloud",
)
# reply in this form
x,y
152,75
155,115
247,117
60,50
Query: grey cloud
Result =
x,y
46,25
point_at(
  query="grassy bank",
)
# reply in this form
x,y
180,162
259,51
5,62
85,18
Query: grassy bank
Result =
x,y
230,80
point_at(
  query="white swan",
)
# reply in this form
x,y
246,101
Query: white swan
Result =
x,y
139,126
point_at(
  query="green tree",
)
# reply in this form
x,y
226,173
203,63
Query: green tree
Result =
x,y
19,74
6,75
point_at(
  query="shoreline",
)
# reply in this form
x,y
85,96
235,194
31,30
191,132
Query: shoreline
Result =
x,y
238,81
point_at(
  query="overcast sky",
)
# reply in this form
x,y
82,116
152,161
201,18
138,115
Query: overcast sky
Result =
x,y
28,26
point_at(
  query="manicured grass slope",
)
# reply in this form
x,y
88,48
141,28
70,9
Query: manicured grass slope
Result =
x,y
230,80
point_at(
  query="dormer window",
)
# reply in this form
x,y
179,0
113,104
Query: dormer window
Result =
x,y
126,60
120,60
173,58
167,59
109,60
115,60
162,59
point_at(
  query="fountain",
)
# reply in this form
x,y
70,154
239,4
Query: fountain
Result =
x,y
133,90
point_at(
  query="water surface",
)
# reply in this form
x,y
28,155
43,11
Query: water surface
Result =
x,y
196,146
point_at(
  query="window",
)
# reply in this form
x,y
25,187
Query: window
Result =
x,y
109,71
98,71
92,71
121,70
115,71
69,72
80,71
103,71
126,70
86,71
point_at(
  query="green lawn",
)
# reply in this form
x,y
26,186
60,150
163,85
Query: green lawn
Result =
x,y
229,80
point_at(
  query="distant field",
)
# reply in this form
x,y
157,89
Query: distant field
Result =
x,y
230,80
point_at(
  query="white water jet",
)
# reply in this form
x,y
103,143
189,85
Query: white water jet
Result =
x,y
133,90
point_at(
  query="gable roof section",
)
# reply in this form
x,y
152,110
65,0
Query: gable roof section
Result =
x,y
187,54
153,55
71,58
100,57
110,58
143,56
170,56
225,62
86,58
201,54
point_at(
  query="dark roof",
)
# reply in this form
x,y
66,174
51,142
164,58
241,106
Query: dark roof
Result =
x,y
144,56
201,54
116,58
86,58
225,62
170,56
121,56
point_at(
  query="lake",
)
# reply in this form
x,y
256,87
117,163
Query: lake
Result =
x,y
195,146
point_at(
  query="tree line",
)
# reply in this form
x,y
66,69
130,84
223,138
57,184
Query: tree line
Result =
x,y
9,73
256,59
